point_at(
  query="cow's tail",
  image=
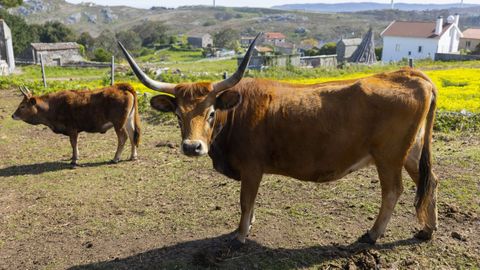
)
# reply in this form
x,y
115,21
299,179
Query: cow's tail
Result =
x,y
136,116
425,199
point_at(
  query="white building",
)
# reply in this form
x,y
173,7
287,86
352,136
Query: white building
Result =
x,y
420,40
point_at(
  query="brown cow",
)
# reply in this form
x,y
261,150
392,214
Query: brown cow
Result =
x,y
71,112
317,133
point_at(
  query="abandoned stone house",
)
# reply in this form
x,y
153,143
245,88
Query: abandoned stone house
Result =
x,y
7,60
200,41
56,54
346,47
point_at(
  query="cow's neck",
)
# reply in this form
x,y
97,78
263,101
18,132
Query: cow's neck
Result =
x,y
219,148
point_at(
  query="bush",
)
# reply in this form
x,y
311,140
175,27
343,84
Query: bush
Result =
x,y
101,55
457,121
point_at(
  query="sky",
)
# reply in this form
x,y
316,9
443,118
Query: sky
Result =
x,y
244,3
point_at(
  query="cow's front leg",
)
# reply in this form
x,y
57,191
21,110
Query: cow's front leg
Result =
x,y
248,193
74,144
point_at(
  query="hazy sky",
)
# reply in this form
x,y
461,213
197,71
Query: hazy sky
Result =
x,y
243,3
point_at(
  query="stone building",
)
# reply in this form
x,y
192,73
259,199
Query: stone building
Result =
x,y
56,54
200,41
7,60
346,47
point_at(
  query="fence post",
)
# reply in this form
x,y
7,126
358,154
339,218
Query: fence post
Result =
x,y
43,71
112,73
410,62
225,75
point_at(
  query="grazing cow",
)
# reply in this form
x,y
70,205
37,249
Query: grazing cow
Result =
x,y
71,112
317,133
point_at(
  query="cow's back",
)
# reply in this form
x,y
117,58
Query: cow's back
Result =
x,y
90,111
321,132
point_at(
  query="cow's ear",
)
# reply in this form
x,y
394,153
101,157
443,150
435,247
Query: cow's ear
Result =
x,y
228,100
164,103
32,101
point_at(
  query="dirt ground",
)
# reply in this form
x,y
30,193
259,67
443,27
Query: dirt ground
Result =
x,y
167,211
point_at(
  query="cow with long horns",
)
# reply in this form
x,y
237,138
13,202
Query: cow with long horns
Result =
x,y
72,112
318,133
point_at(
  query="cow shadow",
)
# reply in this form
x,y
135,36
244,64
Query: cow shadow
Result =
x,y
39,168
214,253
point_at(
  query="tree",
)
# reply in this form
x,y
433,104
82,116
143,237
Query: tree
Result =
x,y
130,40
152,33
227,38
328,48
107,41
86,40
56,32
22,33
10,3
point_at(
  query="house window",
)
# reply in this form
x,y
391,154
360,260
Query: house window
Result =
x,y
420,49
397,47
468,44
409,53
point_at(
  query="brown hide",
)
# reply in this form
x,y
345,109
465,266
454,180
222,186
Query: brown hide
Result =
x,y
317,132
70,111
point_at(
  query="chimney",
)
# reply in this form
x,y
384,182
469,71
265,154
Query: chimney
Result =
x,y
439,26
457,19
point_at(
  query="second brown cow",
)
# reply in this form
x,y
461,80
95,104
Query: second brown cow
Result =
x,y
71,112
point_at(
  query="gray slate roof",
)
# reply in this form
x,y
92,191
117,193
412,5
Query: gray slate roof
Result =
x,y
351,41
55,46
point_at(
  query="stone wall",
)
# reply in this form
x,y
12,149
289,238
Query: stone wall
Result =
x,y
329,61
455,57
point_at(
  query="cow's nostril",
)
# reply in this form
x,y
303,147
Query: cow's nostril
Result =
x,y
198,148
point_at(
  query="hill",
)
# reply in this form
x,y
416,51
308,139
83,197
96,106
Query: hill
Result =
x,y
354,7
297,25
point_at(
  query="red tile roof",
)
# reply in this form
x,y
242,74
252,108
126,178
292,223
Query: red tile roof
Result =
x,y
472,33
274,35
414,29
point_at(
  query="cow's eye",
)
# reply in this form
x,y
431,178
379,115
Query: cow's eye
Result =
x,y
211,115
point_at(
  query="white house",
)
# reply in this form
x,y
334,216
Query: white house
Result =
x,y
420,40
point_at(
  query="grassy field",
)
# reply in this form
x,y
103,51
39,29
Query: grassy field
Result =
x,y
167,211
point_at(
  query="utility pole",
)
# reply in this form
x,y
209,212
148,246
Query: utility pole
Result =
x,y
392,4
461,3
213,3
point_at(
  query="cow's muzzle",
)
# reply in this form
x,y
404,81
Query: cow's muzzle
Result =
x,y
14,117
194,148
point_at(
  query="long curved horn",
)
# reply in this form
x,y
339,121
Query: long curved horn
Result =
x,y
147,81
24,91
237,76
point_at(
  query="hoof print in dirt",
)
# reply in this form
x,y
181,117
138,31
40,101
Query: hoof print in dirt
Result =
x,y
366,239
423,235
458,236
367,259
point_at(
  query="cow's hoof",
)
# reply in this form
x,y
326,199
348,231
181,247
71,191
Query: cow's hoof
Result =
x,y
114,161
367,239
133,159
74,164
423,235
235,245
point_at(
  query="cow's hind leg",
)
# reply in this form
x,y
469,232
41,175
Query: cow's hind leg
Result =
x,y
122,135
391,184
427,217
74,144
130,127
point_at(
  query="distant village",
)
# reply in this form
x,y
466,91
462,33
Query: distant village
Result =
x,y
440,40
